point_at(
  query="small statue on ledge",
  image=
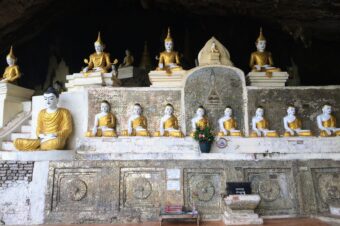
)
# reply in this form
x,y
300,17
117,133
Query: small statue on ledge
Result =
x,y
169,60
228,124
12,72
260,125
199,121
137,123
169,124
292,124
104,122
100,60
128,59
261,60
327,122
54,126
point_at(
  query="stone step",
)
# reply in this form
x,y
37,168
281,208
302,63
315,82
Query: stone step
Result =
x,y
8,146
26,128
20,135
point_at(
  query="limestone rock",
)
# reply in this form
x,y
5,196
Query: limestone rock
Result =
x,y
214,52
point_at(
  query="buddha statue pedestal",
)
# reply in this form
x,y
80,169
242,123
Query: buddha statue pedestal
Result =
x,y
240,210
79,81
11,101
267,79
164,79
126,72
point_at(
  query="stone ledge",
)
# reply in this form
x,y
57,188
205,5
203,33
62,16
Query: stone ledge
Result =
x,y
53,155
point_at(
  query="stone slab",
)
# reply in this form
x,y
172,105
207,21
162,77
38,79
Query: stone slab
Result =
x,y
260,79
52,155
162,79
78,81
125,72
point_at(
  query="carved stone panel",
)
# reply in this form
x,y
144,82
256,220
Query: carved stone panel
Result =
x,y
203,188
327,187
276,188
142,188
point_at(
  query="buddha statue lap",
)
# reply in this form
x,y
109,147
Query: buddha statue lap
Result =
x,y
169,124
327,122
104,122
260,125
261,60
199,121
292,124
137,123
227,124
12,73
54,126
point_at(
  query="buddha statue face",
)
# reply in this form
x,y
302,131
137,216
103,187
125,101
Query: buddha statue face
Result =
x,y
168,46
99,47
10,61
51,100
127,52
291,111
261,45
259,112
327,109
168,110
104,107
228,112
200,112
137,110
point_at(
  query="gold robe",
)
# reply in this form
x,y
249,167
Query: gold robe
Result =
x,y
201,124
263,124
137,122
330,123
59,123
230,124
101,60
109,121
171,122
11,73
167,58
296,124
262,58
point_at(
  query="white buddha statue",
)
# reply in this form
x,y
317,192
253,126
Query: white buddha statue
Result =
x,y
137,123
12,73
260,125
327,122
104,122
169,124
199,121
292,124
227,124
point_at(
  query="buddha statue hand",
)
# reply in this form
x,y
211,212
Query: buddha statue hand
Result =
x,y
114,71
258,132
172,65
290,131
94,131
86,69
258,67
161,65
329,131
129,130
225,132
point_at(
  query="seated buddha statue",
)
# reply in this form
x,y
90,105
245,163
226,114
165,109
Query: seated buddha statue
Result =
x,y
137,123
169,60
169,124
227,124
128,59
100,60
292,124
12,72
327,122
54,126
260,125
261,60
104,122
199,121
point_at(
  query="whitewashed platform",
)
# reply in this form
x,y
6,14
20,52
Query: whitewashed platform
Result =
x,y
53,155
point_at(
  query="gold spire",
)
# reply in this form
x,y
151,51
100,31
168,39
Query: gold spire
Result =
x,y
11,54
261,37
168,37
99,40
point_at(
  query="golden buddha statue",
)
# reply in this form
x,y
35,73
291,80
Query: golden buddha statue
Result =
x,y
292,124
128,59
227,124
260,125
261,60
100,60
169,124
199,121
12,72
137,123
169,60
327,122
54,126
104,122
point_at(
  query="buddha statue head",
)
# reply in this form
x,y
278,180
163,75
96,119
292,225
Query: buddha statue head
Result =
x,y
137,109
99,45
10,58
327,109
228,111
105,106
291,110
168,43
200,112
260,42
259,111
51,97
169,110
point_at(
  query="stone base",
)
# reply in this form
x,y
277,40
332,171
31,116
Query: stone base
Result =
x,y
125,72
162,79
11,98
262,79
79,81
51,155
